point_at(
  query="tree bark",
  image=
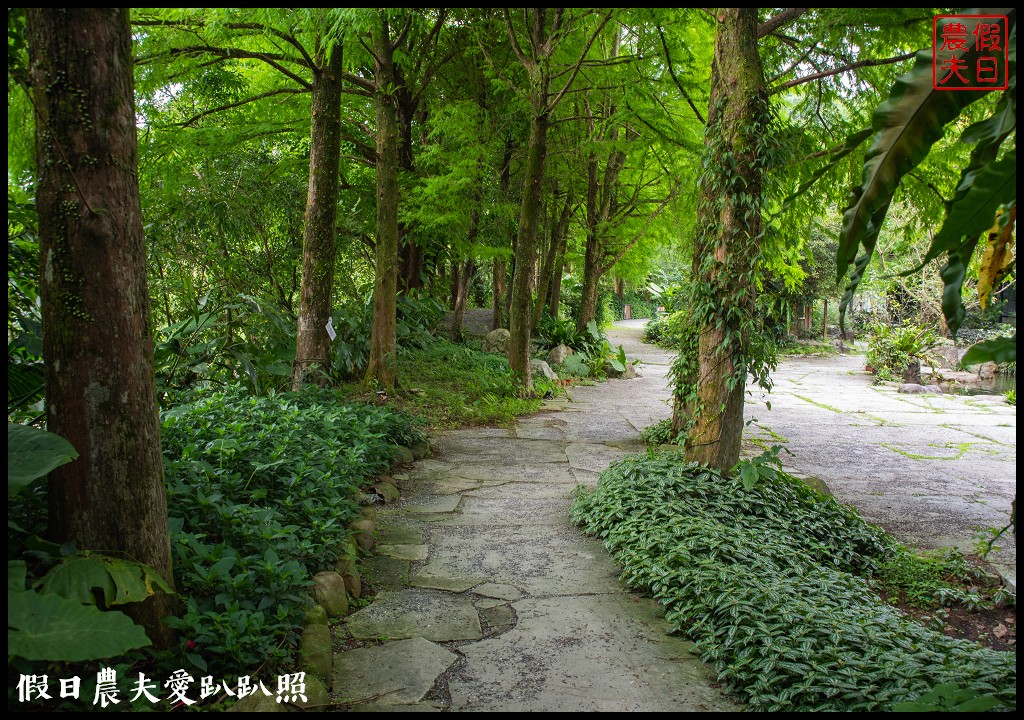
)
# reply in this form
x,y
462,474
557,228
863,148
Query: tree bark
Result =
x,y
559,229
498,270
725,258
312,343
466,274
381,370
526,240
97,348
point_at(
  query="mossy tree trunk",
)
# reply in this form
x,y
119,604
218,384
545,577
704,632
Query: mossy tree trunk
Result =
x,y
726,252
381,370
97,348
312,343
526,238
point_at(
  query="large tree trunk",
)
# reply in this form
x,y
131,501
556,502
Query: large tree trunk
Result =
x,y
381,370
725,257
526,240
97,348
312,343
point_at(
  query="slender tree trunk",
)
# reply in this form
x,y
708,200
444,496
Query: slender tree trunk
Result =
x,y
726,257
498,271
466,274
97,347
556,248
381,369
312,343
620,289
526,240
824,321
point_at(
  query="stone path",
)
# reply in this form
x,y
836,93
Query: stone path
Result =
x,y
492,600
930,469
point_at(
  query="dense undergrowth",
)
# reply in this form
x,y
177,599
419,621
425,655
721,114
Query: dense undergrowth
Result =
x,y
450,384
770,583
261,491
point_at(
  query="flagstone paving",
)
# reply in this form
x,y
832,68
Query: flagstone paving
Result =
x,y
490,599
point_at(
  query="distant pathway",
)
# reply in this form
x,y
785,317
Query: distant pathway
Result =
x,y
492,600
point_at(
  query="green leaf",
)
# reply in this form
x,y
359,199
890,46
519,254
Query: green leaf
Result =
x,y
906,125
50,627
974,212
32,453
953,274
999,350
120,581
16,571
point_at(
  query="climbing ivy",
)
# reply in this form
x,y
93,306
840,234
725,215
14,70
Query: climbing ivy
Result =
x,y
727,268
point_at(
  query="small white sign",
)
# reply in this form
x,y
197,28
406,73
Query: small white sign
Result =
x,y
330,328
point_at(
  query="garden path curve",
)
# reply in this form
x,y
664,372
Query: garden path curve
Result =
x,y
490,599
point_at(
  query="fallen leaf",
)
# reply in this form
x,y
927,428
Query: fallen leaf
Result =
x,y
999,631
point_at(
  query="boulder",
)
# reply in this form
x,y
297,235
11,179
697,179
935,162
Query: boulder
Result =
x,y
496,341
402,456
558,354
539,367
987,371
420,450
330,593
316,653
916,389
362,531
945,357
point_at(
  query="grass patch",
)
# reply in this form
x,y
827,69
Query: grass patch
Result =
x,y
449,384
771,583
960,448
818,404
808,348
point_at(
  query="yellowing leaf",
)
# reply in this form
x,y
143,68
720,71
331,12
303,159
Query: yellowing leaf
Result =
x,y
998,255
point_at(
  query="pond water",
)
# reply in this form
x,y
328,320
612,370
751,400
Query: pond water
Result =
x,y
999,385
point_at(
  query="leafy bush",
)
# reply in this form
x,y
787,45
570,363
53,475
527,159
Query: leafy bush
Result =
x,y
449,384
896,348
1011,397
660,433
261,491
556,331
768,581
669,331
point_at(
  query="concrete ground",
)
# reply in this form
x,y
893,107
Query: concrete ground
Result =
x,y
492,600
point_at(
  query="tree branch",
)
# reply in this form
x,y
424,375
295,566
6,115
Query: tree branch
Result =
x,y
672,73
579,63
211,111
783,18
230,53
837,71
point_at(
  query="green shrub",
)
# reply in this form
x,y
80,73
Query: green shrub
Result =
x,y
768,581
261,491
660,433
1011,397
670,331
895,348
449,384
